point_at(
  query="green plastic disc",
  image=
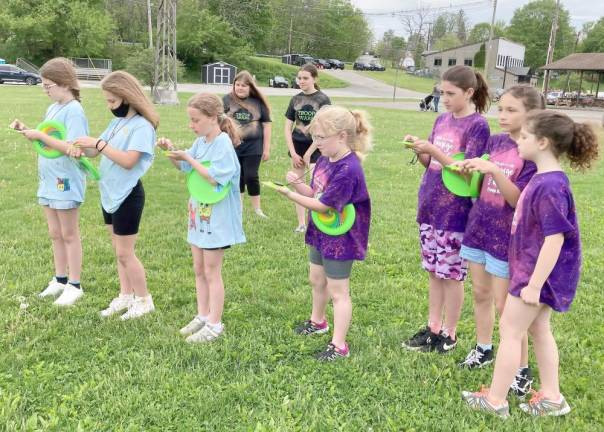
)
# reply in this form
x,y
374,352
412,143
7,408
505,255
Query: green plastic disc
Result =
x,y
458,183
202,190
333,223
54,129
85,165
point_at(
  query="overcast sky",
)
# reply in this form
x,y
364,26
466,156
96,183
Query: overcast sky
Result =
x,y
581,11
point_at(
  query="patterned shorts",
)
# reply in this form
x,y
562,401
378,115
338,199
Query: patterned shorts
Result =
x,y
440,253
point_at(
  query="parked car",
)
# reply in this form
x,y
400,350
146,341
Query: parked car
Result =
x,y
322,64
278,82
377,67
336,64
302,60
361,66
552,97
295,83
11,73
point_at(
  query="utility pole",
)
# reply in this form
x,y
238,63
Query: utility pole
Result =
x,y
550,50
489,43
569,72
149,24
291,28
165,79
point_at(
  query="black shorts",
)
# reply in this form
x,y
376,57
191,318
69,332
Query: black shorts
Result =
x,y
218,248
127,217
302,148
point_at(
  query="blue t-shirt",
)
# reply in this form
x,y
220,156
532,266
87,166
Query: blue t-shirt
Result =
x,y
216,225
60,178
135,133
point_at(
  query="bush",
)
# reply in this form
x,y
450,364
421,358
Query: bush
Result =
x,y
141,64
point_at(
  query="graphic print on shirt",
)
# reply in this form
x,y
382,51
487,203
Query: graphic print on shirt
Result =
x,y
510,164
205,214
63,184
448,144
192,217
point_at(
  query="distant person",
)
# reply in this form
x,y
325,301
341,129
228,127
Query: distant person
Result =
x,y
301,110
436,96
248,107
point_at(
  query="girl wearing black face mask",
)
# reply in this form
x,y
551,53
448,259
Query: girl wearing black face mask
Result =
x,y
126,147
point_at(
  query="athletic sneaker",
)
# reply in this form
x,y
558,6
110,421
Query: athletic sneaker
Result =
x,y
309,327
260,213
54,288
444,343
194,326
539,406
522,383
478,401
139,307
69,296
332,353
118,304
300,229
477,358
424,340
207,334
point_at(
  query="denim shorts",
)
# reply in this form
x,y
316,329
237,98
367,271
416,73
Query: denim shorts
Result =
x,y
491,264
59,204
334,269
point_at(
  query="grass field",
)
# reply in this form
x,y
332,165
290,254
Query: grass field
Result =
x,y
404,80
67,370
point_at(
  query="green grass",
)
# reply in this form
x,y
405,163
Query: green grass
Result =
x,y
67,370
404,80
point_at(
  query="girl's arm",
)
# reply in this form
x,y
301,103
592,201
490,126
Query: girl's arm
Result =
x,y
548,256
125,159
166,145
267,131
309,153
305,201
298,184
508,189
33,134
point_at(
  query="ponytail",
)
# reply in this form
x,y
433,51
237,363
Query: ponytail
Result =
x,y
481,98
575,140
228,125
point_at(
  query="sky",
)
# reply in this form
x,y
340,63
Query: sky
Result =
x,y
376,11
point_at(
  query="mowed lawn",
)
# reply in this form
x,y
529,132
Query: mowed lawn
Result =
x,y
67,370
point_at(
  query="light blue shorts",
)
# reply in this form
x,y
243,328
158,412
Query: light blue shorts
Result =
x,y
59,204
491,264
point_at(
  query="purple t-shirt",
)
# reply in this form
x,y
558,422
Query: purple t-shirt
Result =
x,y
490,218
437,206
546,207
337,184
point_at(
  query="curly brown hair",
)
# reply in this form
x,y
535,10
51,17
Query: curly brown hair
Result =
x,y
577,141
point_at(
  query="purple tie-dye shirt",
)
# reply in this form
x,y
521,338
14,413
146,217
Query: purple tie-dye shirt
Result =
x,y
336,184
546,207
490,219
436,205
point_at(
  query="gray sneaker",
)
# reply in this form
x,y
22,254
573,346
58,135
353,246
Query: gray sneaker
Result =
x,y
478,401
539,406
194,326
206,334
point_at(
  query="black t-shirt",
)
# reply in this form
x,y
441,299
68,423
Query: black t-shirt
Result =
x,y
249,116
301,110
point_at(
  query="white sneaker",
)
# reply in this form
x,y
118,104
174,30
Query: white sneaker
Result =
x,y
206,334
69,296
194,326
139,307
54,288
300,229
118,304
260,213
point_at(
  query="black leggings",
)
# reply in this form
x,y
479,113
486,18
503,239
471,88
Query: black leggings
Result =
x,y
249,174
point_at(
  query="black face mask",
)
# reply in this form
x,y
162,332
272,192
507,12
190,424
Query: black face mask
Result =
x,y
122,110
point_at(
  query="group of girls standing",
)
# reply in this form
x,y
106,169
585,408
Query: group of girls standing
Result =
x,y
519,238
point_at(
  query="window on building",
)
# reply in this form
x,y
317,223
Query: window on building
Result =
x,y
468,62
438,62
452,62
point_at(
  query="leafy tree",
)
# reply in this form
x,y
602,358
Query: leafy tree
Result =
x,y
480,32
531,25
480,57
391,47
449,40
594,40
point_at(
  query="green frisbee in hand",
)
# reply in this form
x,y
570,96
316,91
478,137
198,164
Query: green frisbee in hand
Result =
x,y
56,130
335,223
460,184
202,190
273,185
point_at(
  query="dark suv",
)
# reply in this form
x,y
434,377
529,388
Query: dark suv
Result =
x,y
336,64
11,73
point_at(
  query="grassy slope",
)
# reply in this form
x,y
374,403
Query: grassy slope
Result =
x,y
64,370
404,80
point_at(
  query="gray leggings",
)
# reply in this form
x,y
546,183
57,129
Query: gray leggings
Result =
x,y
333,269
